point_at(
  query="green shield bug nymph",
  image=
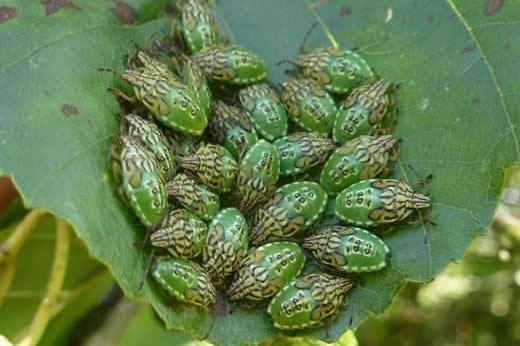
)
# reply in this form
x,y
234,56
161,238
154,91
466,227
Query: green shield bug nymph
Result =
x,y
231,64
182,233
291,209
348,249
335,69
193,77
308,105
199,27
214,165
138,179
194,197
265,270
311,301
182,144
258,175
265,110
226,244
152,139
302,150
172,102
185,280
232,129
362,158
378,201
363,111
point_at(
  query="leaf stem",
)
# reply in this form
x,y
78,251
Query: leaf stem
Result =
x,y
6,278
14,243
324,26
46,309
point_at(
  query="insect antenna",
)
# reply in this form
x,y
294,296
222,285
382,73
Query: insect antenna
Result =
x,y
147,268
306,37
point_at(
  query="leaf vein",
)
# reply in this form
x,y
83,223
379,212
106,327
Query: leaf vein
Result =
x,y
491,72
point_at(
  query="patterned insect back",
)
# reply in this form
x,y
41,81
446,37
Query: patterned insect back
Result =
x,y
362,158
199,27
264,108
193,76
293,208
231,64
335,69
172,102
348,249
226,244
266,270
139,179
232,129
302,150
311,301
152,139
194,197
182,233
308,105
214,165
184,280
363,111
258,175
378,201
182,144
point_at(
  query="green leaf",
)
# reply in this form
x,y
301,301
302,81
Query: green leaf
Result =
x,y
459,121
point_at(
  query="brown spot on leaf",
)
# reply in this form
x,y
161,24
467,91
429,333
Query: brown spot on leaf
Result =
x,y
7,13
53,6
69,109
345,11
429,18
508,45
492,7
170,9
90,122
123,12
467,49
475,100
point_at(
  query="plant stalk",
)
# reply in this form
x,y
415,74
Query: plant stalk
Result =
x,y
6,277
14,243
47,306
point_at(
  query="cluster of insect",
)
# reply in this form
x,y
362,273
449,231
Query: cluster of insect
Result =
x,y
235,190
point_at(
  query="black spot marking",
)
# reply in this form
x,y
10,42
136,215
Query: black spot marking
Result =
x,y
7,13
53,6
345,11
429,18
123,12
492,7
467,49
69,109
475,100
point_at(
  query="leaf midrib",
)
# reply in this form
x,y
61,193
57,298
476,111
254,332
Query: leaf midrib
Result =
x,y
498,88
